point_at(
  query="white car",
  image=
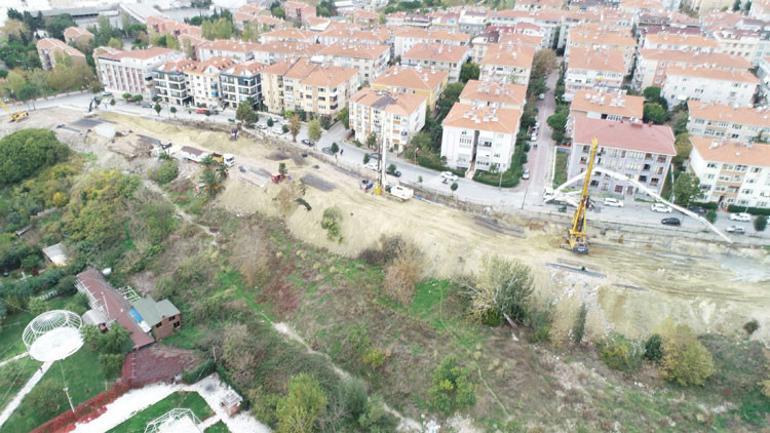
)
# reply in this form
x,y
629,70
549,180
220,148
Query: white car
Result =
x,y
613,202
448,176
660,207
742,217
525,174
373,165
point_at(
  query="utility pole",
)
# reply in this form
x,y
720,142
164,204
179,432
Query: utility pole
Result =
x,y
69,399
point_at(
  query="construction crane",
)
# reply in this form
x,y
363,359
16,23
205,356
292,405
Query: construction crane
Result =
x,y
14,117
577,240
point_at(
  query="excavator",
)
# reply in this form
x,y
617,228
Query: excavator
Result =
x,y
577,240
17,116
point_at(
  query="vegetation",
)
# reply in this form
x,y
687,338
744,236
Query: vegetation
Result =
x,y
653,348
403,271
24,153
558,122
331,222
620,353
655,113
246,114
189,400
166,172
579,328
469,71
314,130
686,189
760,223
502,289
560,170
300,410
294,126
452,387
686,361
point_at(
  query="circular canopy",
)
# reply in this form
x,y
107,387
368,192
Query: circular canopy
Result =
x,y
53,335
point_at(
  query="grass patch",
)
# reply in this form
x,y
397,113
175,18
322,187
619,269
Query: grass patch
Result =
x,y
219,427
189,400
10,334
560,169
84,377
13,376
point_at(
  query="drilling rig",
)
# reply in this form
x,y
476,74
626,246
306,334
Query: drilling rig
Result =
x,y
577,240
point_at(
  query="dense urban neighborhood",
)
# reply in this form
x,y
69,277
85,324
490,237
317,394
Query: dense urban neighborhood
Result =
x,y
424,216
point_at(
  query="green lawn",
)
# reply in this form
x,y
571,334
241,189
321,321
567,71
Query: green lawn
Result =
x,y
190,400
13,376
219,427
10,334
84,377
560,171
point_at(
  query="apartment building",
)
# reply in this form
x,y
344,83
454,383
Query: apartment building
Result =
x,y
550,23
479,137
272,52
203,81
594,69
256,14
615,105
742,124
131,71
406,38
751,45
702,7
732,172
678,42
170,81
763,73
417,81
354,36
241,82
288,35
494,94
240,51
49,49
537,5
369,60
709,85
507,64
447,58
78,37
652,64
393,117
592,36
640,151
167,26
401,19
760,10
298,12
311,87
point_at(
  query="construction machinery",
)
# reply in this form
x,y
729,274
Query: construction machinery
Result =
x,y
577,240
17,116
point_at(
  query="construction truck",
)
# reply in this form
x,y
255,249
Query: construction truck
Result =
x,y
227,160
577,239
17,116
193,154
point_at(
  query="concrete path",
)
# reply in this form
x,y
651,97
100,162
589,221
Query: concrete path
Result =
x,y
26,389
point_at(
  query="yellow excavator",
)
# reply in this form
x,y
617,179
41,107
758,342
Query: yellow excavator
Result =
x,y
577,240
17,116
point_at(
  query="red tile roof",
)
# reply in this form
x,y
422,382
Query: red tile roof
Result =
x,y
634,136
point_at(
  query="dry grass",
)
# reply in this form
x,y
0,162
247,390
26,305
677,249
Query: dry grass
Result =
x,y
404,272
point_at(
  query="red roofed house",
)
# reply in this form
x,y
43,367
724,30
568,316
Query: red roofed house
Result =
x,y
640,151
392,117
49,49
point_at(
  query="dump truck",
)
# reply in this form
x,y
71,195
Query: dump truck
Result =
x,y
227,159
192,154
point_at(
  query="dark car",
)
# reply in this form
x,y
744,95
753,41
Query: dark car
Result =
x,y
307,142
374,155
327,150
671,221
697,210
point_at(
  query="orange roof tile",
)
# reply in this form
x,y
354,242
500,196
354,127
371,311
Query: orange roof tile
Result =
x,y
635,136
727,113
329,76
402,104
229,45
725,61
411,78
614,103
731,152
512,94
483,118
437,52
713,74
519,56
610,59
342,49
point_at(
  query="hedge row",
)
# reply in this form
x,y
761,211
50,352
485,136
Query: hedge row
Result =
x,y
751,210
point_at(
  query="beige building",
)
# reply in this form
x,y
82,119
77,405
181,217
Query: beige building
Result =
x,y
288,35
203,81
709,85
447,58
678,42
594,69
406,38
354,36
592,36
78,37
131,71
239,51
369,60
597,104
743,124
652,64
507,64
273,52
48,49
494,94
418,81
392,117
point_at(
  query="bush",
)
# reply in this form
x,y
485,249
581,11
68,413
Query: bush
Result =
x,y
112,363
579,329
24,153
749,210
711,216
37,306
751,326
539,321
403,273
502,288
263,405
653,348
452,388
760,223
686,361
166,172
300,410
620,353
330,221
115,341
376,419
374,358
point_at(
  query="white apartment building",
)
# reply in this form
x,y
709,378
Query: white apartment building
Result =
x,y
709,85
678,42
272,52
743,124
393,117
239,51
640,151
652,64
549,21
597,104
203,81
354,36
131,71
369,60
241,82
748,44
507,64
447,58
406,38
594,69
288,35
731,172
402,79
170,81
494,94
760,9
479,137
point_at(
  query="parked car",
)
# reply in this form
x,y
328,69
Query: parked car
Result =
x,y
374,155
613,202
448,176
327,150
541,96
525,174
736,230
697,210
373,165
395,172
671,221
307,142
741,217
204,111
147,105
660,207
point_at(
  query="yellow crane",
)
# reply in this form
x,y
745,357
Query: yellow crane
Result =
x,y
577,240
14,117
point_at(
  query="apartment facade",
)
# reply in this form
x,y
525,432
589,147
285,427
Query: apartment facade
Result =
x,y
48,49
393,117
240,83
203,81
709,85
170,81
594,69
131,71
447,58
238,51
479,137
741,124
288,35
369,60
652,64
731,172
494,94
507,64
418,81
273,52
642,152
406,38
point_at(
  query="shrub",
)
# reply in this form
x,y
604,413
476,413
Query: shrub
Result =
x,y
37,306
352,398
374,358
403,273
452,388
24,153
751,326
115,341
166,172
760,223
653,348
304,404
620,353
711,216
66,286
263,405
502,288
330,221
686,360
539,320
765,388
376,419
579,329
112,363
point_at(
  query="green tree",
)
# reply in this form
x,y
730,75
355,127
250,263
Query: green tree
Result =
x,y
683,148
502,288
250,32
686,189
579,328
651,94
686,360
221,28
172,109
371,141
37,306
157,108
305,403
56,25
655,113
246,114
166,172
314,130
544,62
653,348
558,122
760,223
469,71
24,153
115,43
366,158
344,117
620,353
452,388
294,126
277,11
335,147
447,100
